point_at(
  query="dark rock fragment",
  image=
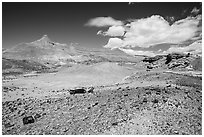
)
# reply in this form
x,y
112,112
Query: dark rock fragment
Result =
x,y
8,125
152,59
128,87
95,104
119,88
150,67
77,91
28,120
125,94
44,114
165,100
155,101
149,93
168,85
144,100
91,90
115,124
37,116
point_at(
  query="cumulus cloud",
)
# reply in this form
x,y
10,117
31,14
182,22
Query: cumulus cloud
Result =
x,y
113,31
149,32
194,48
100,32
154,30
138,52
114,43
103,22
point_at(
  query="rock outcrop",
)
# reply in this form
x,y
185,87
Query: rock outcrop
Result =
x,y
174,61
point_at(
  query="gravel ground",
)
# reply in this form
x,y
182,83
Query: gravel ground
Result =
x,y
131,110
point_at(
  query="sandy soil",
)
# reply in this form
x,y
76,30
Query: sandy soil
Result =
x,y
124,101
79,75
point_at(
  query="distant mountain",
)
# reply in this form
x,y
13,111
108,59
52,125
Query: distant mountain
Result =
x,y
45,52
40,50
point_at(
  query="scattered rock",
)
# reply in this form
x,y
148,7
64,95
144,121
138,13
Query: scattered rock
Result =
x,y
115,124
28,120
119,88
128,87
37,116
152,59
149,93
44,114
155,101
144,100
8,125
165,100
91,90
77,91
150,67
95,104
126,94
168,85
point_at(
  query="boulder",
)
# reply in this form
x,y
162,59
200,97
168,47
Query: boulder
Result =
x,y
152,59
77,91
28,120
150,67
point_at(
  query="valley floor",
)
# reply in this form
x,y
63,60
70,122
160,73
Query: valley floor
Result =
x,y
132,102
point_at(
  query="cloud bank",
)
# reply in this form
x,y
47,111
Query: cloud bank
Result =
x,y
114,43
148,32
113,31
154,30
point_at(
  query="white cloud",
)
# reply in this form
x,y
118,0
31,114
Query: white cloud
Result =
x,y
113,31
138,52
194,48
154,30
100,32
195,10
150,31
114,43
103,22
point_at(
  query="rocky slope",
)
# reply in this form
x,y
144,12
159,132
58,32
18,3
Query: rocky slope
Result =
x,y
174,61
147,110
41,50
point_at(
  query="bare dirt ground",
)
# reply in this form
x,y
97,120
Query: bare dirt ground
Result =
x,y
124,101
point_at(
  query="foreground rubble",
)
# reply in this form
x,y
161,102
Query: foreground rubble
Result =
x,y
127,110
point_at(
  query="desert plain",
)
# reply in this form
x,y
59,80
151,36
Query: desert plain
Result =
x,y
54,89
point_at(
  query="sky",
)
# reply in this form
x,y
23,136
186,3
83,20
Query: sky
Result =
x,y
135,28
